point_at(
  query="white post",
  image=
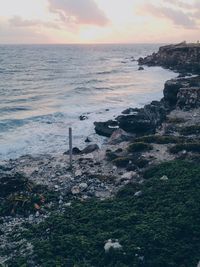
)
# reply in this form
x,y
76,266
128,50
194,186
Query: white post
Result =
x,y
70,147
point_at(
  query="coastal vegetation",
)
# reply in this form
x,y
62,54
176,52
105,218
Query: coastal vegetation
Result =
x,y
158,227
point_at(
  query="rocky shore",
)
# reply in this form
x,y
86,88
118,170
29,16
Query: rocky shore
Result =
x,y
34,189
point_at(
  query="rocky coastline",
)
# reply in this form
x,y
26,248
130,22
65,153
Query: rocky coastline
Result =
x,y
34,188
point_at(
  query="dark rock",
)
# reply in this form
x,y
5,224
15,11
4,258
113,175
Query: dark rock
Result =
x,y
75,151
130,110
182,57
188,98
88,140
171,90
145,120
105,128
140,68
90,149
83,117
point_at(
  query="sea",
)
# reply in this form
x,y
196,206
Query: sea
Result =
x,y
44,89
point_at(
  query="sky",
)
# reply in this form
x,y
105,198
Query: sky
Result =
x,y
99,21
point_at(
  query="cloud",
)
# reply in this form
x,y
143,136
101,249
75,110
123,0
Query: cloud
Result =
x,y
177,16
16,35
17,21
180,4
78,11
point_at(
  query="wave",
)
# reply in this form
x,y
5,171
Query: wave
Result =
x,y
108,72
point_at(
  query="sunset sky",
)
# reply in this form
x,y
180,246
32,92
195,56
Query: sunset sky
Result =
x,y
99,21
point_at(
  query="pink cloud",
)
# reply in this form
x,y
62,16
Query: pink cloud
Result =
x,y
78,12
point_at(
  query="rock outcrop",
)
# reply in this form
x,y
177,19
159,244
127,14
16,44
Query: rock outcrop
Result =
x,y
181,57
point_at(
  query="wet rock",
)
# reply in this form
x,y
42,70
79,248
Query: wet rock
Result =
x,y
88,140
83,117
145,120
90,149
106,128
140,68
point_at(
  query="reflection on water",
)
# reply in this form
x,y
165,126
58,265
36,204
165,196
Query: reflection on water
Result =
x,y
44,89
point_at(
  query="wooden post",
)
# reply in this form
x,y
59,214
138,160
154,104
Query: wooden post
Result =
x,y
70,147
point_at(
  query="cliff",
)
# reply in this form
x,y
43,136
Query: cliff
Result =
x,y
182,57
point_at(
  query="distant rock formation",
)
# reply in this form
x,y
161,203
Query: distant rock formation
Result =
x,y
182,57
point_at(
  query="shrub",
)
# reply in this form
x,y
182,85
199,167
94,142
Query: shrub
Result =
x,y
139,147
190,147
161,139
121,162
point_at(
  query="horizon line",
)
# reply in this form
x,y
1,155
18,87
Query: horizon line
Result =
x,y
150,43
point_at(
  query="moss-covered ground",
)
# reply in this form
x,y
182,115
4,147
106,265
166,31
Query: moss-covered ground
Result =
x,y
158,228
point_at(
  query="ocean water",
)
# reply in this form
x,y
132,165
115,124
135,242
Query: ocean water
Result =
x,y
45,88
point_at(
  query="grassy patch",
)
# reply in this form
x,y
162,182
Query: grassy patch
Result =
x,y
161,139
139,147
159,228
175,120
190,147
121,161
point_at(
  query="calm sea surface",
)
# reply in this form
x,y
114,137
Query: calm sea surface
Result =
x,y
45,88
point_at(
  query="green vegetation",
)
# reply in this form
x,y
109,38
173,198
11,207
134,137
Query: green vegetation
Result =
x,y
190,147
161,139
139,147
121,161
161,227
189,130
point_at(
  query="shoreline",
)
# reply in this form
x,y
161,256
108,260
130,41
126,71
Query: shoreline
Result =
x,y
162,131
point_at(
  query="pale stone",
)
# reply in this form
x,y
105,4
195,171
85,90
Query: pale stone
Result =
x,y
112,244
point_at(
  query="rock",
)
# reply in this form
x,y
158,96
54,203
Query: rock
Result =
x,y
88,140
102,194
128,175
140,68
145,120
105,128
68,204
78,173
75,151
170,92
75,190
83,117
188,98
83,186
164,178
37,214
182,57
90,149
112,244
138,194
118,136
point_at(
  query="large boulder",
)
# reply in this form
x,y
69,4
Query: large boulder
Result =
x,y
106,128
145,120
